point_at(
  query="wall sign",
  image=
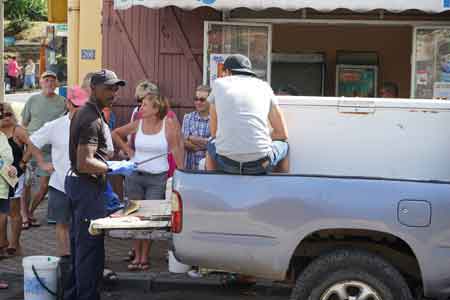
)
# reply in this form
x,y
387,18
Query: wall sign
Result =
x,y
88,54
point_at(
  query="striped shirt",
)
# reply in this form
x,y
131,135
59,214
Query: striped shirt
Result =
x,y
195,125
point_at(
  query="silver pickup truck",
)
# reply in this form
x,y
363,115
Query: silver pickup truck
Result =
x,y
365,225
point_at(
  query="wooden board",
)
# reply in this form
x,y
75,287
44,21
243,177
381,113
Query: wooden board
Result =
x,y
152,215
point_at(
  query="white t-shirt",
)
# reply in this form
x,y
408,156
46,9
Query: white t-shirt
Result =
x,y
242,104
56,134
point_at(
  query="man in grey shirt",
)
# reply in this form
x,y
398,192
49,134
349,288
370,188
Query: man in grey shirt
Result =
x,y
243,111
40,109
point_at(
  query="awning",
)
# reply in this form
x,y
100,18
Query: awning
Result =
x,y
431,6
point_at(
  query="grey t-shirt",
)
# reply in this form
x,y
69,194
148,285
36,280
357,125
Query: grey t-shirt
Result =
x,y
242,104
40,109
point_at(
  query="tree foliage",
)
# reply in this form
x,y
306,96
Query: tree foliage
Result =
x,y
26,10
21,12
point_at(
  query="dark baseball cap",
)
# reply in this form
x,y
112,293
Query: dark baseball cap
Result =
x,y
106,77
239,63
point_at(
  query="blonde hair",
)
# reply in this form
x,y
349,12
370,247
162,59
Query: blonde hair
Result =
x,y
203,88
145,88
158,102
8,108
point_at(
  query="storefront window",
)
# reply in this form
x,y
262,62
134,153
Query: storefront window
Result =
x,y
431,73
223,39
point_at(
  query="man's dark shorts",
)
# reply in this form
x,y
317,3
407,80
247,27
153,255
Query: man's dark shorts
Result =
x,y
59,206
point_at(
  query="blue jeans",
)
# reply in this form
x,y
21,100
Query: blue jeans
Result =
x,y
29,81
279,151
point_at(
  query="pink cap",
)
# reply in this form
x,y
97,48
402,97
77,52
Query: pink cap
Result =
x,y
77,95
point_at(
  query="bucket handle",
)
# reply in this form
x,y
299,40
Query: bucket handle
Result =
x,y
41,282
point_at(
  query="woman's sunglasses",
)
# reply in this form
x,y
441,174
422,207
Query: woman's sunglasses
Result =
x,y
6,115
200,99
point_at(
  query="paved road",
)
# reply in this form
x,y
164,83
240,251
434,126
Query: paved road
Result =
x,y
19,97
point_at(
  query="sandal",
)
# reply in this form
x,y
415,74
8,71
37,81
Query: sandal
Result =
x,y
133,266
3,285
144,266
25,225
11,251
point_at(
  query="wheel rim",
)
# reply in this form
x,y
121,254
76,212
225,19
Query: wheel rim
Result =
x,y
350,290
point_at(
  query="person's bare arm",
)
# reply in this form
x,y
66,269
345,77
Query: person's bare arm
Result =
x,y
119,136
86,161
23,137
37,153
213,120
199,142
278,123
175,141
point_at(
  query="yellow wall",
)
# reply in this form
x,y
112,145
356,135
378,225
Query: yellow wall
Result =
x,y
90,35
84,33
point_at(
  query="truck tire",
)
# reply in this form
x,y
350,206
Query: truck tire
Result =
x,y
350,275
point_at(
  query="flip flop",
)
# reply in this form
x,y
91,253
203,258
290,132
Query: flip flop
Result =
x,y
133,267
25,225
3,285
11,251
144,267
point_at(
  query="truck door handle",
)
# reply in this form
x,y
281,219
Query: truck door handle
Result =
x,y
359,107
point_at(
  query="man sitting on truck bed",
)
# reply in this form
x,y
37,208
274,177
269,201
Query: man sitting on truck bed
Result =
x,y
241,108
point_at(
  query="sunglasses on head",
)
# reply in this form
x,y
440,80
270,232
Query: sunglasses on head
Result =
x,y
200,99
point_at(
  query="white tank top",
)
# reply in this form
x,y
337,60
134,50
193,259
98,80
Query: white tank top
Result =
x,y
151,145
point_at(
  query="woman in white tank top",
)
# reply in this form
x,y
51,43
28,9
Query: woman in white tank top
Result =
x,y
156,136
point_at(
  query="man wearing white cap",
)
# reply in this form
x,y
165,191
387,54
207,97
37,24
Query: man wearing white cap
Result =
x,y
40,109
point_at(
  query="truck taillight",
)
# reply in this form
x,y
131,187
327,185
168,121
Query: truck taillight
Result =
x,y
177,212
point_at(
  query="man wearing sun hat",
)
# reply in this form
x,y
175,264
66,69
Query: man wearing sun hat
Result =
x,y
56,134
40,109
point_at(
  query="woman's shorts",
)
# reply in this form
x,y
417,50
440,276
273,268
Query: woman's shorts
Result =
x,y
4,206
146,186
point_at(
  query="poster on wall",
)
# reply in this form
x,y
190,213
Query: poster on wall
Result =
x,y
442,59
222,39
216,66
356,81
432,61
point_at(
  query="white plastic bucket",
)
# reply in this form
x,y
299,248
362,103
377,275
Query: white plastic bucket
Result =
x,y
45,267
175,266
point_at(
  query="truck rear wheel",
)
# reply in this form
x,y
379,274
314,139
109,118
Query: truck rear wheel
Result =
x,y
350,275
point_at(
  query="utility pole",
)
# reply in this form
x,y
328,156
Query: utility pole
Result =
x,y
2,51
